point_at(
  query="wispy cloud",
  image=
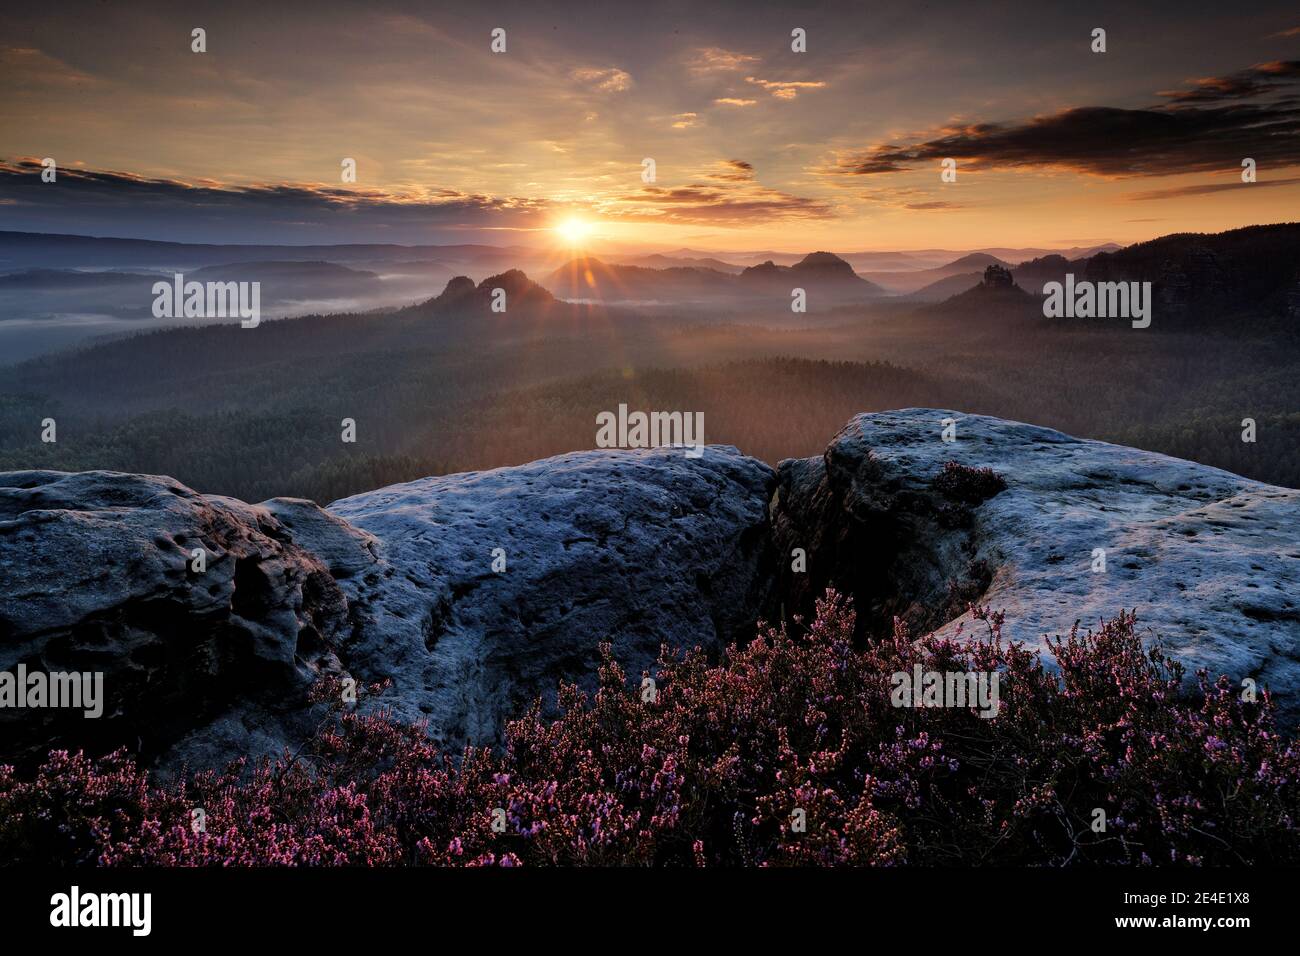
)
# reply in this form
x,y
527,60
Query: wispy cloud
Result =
x,y
786,89
320,212
734,171
731,195
610,80
1258,80
705,60
211,209
1205,189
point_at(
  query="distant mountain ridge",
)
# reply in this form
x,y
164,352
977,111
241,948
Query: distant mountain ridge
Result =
x,y
1199,281
33,249
913,281
826,278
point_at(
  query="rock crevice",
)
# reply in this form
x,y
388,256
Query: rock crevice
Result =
x,y
476,594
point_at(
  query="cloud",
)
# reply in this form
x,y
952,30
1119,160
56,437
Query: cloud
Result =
x,y
107,202
1208,188
685,120
1260,79
1180,136
33,69
904,197
606,81
734,101
712,59
1291,32
734,171
732,195
687,206
786,89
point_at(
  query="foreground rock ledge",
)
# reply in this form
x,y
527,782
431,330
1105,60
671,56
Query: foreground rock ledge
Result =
x,y
639,548
1210,560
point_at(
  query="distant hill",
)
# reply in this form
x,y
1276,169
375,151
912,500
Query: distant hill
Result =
x,y
1036,273
897,260
1243,281
827,279
1199,280
65,279
463,297
946,287
996,294
660,261
906,283
822,274
591,278
271,271
1214,279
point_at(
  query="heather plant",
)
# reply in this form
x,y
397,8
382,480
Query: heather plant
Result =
x,y
718,766
966,485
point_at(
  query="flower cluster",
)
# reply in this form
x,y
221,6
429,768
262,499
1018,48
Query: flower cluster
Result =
x,y
966,485
787,752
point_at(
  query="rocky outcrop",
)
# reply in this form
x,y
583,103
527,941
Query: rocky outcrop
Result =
x,y
457,286
461,296
476,594
1210,560
997,277
494,586
822,272
203,616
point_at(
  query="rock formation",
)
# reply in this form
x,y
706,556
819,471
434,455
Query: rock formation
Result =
x,y
477,593
1210,560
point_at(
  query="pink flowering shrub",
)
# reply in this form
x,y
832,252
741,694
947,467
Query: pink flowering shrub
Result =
x,y
788,752
967,485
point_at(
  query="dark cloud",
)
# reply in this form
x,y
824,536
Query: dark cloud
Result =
x,y
1208,188
1170,138
1261,79
734,171
124,204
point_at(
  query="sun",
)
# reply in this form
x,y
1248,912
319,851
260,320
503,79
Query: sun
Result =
x,y
573,230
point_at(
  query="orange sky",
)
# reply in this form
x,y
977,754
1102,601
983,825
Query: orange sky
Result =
x,y
755,146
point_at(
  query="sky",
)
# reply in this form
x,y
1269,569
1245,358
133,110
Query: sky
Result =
x,y
755,146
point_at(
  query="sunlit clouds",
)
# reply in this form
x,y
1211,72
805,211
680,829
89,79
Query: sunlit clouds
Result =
x,y
840,144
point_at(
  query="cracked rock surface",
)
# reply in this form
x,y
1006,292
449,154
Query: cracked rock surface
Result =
x,y
1210,560
638,548
97,574
478,593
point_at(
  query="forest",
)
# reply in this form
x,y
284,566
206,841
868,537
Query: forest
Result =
x,y
258,413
